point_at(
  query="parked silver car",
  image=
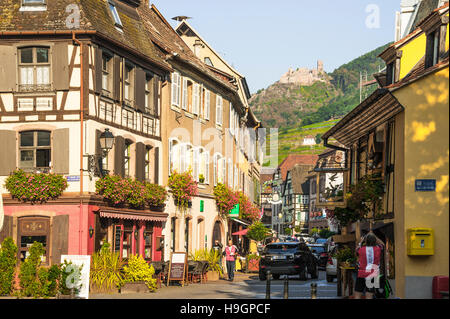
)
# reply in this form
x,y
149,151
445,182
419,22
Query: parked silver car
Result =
x,y
331,267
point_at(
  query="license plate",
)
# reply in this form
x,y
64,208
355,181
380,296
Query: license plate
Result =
x,y
279,257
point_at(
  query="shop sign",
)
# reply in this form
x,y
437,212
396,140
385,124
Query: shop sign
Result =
x,y
202,206
85,261
425,185
234,212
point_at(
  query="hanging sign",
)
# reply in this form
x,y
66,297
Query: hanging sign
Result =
x,y
234,212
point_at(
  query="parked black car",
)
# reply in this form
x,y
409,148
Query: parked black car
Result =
x,y
321,254
288,258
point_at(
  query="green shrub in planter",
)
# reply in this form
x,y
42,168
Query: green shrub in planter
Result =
x,y
8,260
70,278
138,270
30,278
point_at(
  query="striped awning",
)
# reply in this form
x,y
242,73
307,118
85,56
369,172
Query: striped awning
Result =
x,y
133,215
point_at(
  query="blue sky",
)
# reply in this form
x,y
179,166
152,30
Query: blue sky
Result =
x,y
263,38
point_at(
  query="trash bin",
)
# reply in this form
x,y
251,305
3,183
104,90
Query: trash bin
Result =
x,y
440,283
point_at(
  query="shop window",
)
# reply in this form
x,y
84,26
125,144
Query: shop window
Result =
x,y
173,232
30,230
148,241
34,69
35,150
127,240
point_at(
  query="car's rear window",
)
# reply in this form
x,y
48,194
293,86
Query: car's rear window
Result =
x,y
279,248
318,249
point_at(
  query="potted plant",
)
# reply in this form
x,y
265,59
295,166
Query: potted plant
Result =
x,y
106,270
183,187
201,178
138,276
213,257
346,257
253,262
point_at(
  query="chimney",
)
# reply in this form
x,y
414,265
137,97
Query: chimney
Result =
x,y
197,46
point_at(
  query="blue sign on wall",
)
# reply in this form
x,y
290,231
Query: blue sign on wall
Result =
x,y
73,178
425,185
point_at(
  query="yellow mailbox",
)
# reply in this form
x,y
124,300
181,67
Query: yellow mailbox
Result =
x,y
420,242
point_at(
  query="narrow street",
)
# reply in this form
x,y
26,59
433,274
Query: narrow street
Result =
x,y
245,286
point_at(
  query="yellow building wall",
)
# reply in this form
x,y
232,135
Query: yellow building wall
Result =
x,y
426,156
446,38
413,51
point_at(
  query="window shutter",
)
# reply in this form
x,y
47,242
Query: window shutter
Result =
x,y
185,95
60,66
139,89
170,156
140,161
215,170
207,168
60,151
119,160
8,159
207,104
116,79
156,166
98,70
196,101
7,230
8,56
174,88
60,238
156,97
98,150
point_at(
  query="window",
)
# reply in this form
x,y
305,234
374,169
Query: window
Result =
x,y
236,178
34,69
196,163
147,164
128,80
128,118
148,126
106,73
149,101
208,61
230,173
204,164
176,89
390,73
33,2
35,150
219,110
115,14
148,242
432,50
127,158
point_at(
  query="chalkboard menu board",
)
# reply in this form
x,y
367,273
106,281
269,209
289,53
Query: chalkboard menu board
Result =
x,y
177,267
117,235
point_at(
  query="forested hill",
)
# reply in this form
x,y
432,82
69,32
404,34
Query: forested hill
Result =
x,y
293,105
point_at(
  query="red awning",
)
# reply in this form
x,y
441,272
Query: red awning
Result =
x,y
108,212
241,232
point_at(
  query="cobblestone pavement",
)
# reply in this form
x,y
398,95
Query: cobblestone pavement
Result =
x,y
244,286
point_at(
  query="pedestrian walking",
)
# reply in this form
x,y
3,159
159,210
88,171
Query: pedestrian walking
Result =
x,y
369,252
231,252
218,247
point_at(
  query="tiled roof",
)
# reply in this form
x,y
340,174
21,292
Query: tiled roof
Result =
x,y
418,72
94,16
299,177
164,36
291,160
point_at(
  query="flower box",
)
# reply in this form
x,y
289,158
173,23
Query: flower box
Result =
x,y
253,265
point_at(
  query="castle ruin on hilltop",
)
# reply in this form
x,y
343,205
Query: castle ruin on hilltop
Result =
x,y
304,76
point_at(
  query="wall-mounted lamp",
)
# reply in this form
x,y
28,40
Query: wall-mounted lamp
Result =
x,y
106,140
136,234
91,231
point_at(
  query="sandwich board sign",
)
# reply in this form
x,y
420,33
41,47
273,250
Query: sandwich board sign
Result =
x,y
85,261
177,267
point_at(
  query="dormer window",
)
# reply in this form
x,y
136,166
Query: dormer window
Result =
x,y
115,14
208,62
390,73
432,54
34,5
